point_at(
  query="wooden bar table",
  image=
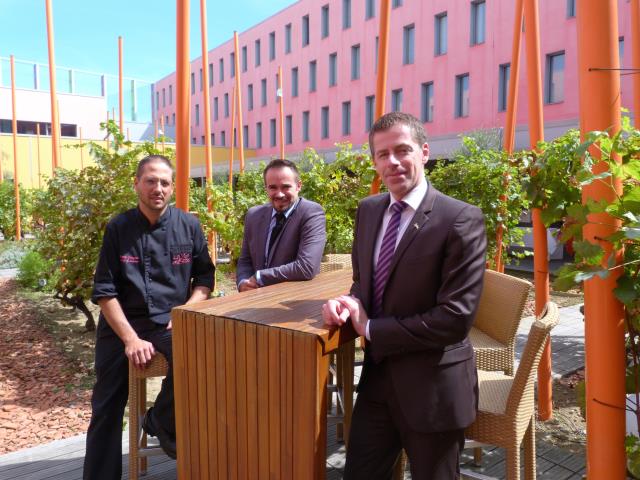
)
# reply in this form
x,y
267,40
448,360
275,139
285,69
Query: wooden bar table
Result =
x,y
250,375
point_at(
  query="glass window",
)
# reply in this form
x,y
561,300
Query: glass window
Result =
x,y
200,78
223,138
503,86
173,119
427,102
346,14
325,21
211,74
333,69
245,136
164,98
221,70
396,100
232,64
213,139
288,129
313,75
324,120
346,118
272,45
408,44
263,92
257,53
197,114
278,87
287,38
250,96
375,68
170,94
157,100
193,83
478,11
554,84
440,33
571,8
294,82
305,126
369,9
226,105
272,132
244,58
355,62
259,135
370,111
621,49
396,3
462,95
305,30
215,108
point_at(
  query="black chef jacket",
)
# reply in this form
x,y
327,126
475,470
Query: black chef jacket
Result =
x,y
151,268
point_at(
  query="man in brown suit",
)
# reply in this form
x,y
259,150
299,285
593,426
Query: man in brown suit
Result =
x,y
418,263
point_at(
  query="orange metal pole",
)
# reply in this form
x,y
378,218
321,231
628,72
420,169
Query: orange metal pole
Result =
x,y
383,68
206,99
604,314
183,159
55,126
38,150
81,150
14,133
120,88
239,97
281,98
540,260
635,58
512,108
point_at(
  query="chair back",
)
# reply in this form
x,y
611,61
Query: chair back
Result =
x,y
521,399
501,305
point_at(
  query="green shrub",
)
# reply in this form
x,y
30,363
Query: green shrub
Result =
x,y
35,272
11,253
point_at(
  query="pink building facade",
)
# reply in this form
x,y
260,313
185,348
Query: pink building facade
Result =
x,y
448,65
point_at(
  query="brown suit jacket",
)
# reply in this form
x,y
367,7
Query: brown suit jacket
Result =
x,y
429,305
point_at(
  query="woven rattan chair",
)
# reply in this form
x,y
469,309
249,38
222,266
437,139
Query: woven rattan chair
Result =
x,y
138,449
507,405
493,334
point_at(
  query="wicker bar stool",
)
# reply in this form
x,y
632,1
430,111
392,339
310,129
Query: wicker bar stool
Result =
x,y
138,449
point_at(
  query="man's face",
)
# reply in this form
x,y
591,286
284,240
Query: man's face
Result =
x,y
282,187
154,188
399,160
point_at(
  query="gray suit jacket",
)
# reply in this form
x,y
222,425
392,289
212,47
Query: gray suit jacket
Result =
x,y
429,305
297,253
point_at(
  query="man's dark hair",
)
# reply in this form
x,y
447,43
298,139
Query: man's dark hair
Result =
x,y
154,158
392,119
281,163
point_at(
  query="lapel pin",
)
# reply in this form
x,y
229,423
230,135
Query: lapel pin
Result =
x,y
416,226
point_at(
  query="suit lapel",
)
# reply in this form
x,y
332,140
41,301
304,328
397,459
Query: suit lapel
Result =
x,y
283,232
261,236
371,226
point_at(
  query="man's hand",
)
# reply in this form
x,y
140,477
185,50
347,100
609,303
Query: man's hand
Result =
x,y
333,313
248,284
356,312
139,351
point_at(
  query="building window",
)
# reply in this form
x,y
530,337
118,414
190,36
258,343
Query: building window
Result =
x,y
346,14
226,105
245,136
202,139
396,100
213,139
157,100
272,46
355,62
571,8
305,30
244,58
272,132
197,115
375,54
278,92
232,65
408,44
250,96
211,74
173,119
621,49
223,138
396,3
215,108
440,34
478,11
294,82
346,118
235,137
257,53
193,83
263,92
170,94
221,70
194,141
305,126
164,98
324,121
333,69
200,78
462,95
313,75
287,38
325,21
369,9
166,122
259,135
554,80
504,71
427,102
370,110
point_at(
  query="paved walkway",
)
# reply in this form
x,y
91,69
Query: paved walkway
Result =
x,y
63,459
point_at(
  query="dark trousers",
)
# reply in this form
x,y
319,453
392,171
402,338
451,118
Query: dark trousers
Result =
x,y
103,458
379,431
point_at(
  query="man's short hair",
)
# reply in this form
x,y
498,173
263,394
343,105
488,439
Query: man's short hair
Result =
x,y
392,119
281,163
154,158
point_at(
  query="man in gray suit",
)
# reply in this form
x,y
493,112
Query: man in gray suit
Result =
x,y
418,264
283,239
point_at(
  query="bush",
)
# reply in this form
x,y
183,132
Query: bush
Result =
x,y
35,272
11,253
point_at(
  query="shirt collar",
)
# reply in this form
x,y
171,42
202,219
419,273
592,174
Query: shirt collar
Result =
x,y
287,212
414,197
162,221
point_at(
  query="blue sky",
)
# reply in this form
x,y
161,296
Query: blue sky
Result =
x,y
86,31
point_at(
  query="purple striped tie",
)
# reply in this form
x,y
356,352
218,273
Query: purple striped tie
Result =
x,y
387,247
